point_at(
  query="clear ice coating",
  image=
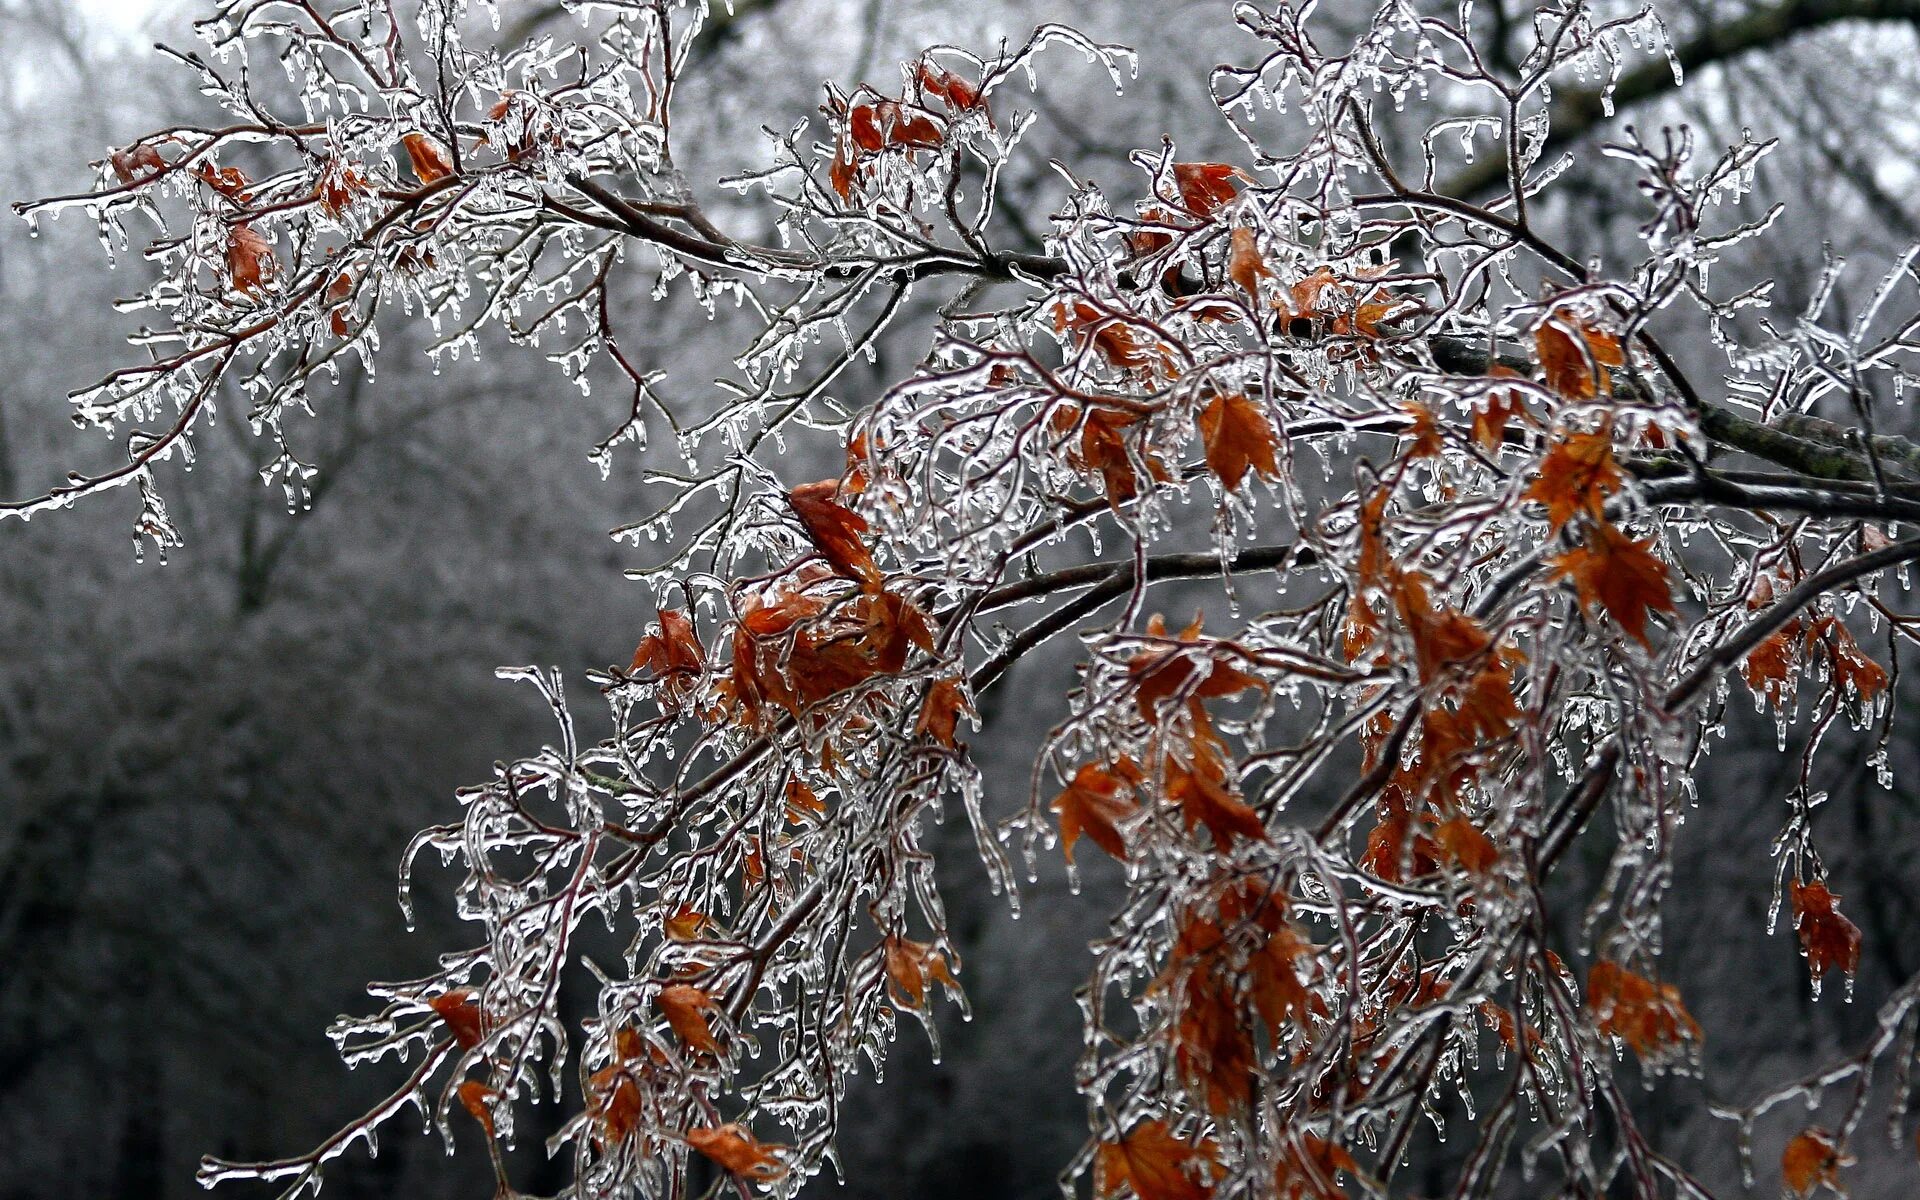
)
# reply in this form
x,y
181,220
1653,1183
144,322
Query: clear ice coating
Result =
x,y
1334,810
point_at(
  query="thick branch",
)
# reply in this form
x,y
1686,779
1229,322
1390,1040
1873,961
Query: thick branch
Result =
x,y
1577,112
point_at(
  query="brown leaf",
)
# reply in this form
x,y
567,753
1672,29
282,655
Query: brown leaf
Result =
x,y
909,965
736,1150
461,1013
1648,1016
940,711
477,1098
1238,437
1092,805
687,924
1618,575
429,161
1466,845
1576,476
1245,266
671,653
1205,187
1830,940
1813,1159
834,530
685,1008
137,163
1573,355
250,260
1157,1165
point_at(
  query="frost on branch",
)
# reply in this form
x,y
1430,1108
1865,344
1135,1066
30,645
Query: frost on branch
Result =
x,y
1519,565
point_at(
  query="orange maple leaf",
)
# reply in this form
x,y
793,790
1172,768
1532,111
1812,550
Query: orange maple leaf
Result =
x,y
735,1149
1238,437
1576,476
1850,666
1157,1165
1619,575
1092,805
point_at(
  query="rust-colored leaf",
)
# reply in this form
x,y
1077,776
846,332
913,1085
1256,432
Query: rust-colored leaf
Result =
x,y
1618,575
430,163
909,966
685,1008
735,1149
1573,356
1205,187
671,653
1092,805
687,924
1829,939
1812,1160
1157,1165
250,260
1245,266
834,530
1466,845
1576,476
477,1098
137,163
1491,422
1238,438
1648,1016
940,711
461,1013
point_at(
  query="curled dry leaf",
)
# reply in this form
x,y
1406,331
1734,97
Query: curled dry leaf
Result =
x,y
734,1148
1205,187
1830,940
685,1008
430,163
460,1011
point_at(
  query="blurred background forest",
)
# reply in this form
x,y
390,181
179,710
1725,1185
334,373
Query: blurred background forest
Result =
x,y
208,768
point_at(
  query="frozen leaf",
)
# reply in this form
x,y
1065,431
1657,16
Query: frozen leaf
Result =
x,y
1619,576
